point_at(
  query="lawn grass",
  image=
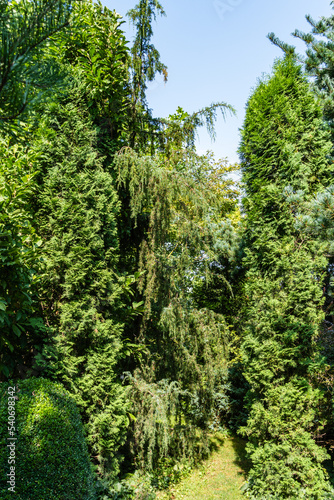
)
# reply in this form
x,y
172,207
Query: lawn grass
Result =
x,y
219,477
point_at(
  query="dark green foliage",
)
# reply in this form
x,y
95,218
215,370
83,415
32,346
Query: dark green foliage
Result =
x,y
283,144
51,453
133,487
316,218
222,290
96,47
76,210
178,388
27,69
126,241
286,460
283,138
20,326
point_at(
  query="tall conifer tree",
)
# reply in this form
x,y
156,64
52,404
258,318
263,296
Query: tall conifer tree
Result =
x,y
76,216
283,144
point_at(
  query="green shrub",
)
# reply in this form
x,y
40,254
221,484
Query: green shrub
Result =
x,y
286,460
136,486
51,457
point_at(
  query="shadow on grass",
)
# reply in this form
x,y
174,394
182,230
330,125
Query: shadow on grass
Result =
x,y
216,442
239,446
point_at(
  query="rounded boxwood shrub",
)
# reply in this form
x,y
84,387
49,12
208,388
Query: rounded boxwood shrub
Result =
x,y
51,457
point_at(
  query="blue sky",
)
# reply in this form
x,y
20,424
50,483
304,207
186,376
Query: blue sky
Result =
x,y
216,50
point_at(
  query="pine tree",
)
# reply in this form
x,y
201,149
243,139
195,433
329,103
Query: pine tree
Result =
x,y
283,144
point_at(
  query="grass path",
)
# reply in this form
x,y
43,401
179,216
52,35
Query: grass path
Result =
x,y
219,478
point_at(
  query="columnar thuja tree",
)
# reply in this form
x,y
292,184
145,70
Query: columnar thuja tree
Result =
x,y
76,213
283,144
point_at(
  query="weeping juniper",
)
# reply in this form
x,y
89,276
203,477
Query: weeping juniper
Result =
x,y
177,385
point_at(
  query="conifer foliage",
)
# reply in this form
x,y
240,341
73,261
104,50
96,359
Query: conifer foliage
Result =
x,y
283,144
76,213
128,275
318,61
176,387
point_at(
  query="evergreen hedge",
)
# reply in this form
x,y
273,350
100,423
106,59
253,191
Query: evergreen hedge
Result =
x,y
51,459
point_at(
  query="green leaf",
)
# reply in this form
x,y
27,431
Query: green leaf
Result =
x,y
132,417
16,330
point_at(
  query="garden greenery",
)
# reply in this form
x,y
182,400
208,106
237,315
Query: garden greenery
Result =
x,y
147,300
53,456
